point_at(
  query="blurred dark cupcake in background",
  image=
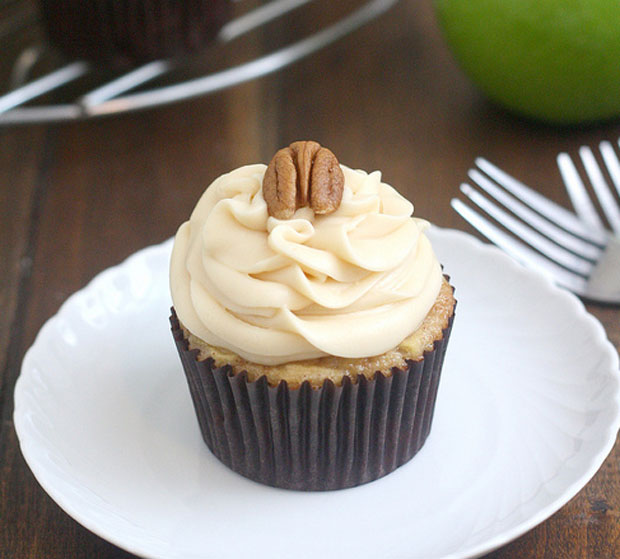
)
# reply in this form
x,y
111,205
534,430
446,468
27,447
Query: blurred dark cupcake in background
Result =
x,y
125,33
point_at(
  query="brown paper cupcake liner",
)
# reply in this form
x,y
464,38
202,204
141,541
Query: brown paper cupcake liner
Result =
x,y
314,439
129,32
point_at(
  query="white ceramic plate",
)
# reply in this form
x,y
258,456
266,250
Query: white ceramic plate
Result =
x,y
528,409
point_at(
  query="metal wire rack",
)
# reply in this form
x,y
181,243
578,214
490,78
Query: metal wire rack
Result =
x,y
119,95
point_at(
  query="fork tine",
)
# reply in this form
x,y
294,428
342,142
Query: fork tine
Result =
x,y
529,235
555,233
612,162
519,251
578,193
599,184
552,211
610,204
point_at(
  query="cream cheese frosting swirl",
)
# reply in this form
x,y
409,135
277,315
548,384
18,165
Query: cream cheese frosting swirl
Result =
x,y
354,283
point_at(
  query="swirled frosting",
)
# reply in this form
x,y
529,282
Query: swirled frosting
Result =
x,y
354,283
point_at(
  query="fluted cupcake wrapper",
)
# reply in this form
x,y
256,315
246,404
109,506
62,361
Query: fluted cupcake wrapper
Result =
x,y
126,32
314,438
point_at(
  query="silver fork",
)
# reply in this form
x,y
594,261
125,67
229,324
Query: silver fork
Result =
x,y
575,250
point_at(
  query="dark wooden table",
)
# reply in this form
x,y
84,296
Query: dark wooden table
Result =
x,y
77,198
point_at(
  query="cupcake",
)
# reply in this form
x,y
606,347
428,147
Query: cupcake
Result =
x,y
131,32
311,317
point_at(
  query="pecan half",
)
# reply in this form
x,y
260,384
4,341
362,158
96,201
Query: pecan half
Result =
x,y
301,174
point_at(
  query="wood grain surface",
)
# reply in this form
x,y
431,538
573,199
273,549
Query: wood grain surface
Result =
x,y
77,198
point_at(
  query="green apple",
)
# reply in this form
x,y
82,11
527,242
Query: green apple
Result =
x,y
554,60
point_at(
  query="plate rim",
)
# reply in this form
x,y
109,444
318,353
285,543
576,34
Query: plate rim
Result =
x,y
476,550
